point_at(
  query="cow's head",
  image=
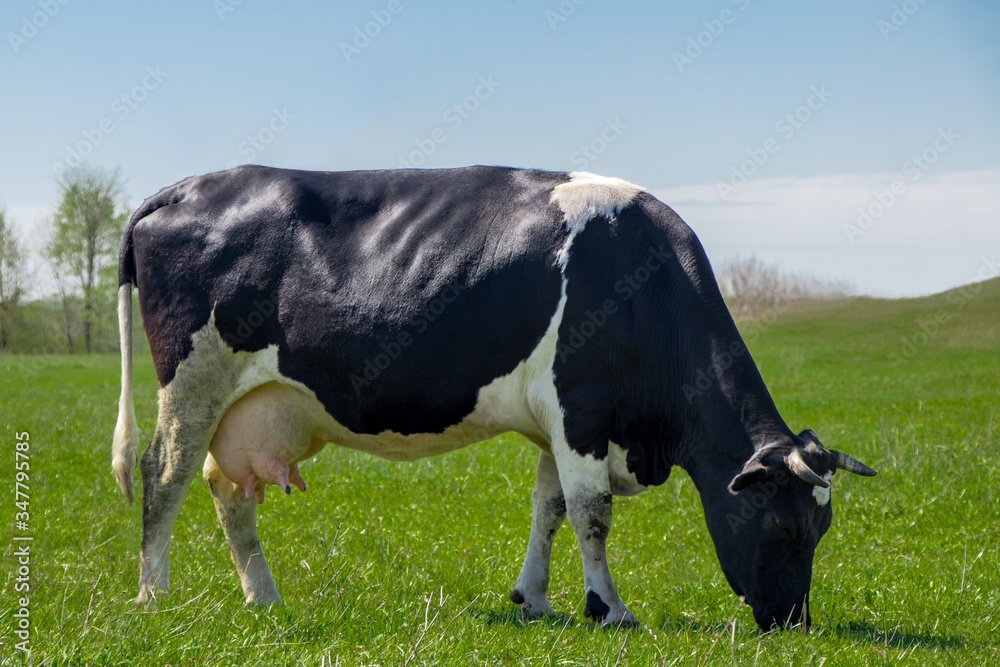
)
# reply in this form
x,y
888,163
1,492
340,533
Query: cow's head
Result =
x,y
767,525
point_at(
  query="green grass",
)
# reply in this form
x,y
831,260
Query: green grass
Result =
x,y
384,563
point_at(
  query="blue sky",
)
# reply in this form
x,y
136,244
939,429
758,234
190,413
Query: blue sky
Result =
x,y
784,130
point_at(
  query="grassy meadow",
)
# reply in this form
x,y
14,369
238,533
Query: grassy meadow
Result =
x,y
411,564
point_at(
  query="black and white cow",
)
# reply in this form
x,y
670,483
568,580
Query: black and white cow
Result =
x,y
409,313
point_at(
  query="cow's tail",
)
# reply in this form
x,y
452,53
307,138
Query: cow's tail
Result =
x,y
125,445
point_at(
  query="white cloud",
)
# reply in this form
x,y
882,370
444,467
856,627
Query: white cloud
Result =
x,y
933,233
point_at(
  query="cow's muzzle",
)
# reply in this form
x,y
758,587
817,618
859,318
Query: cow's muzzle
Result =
x,y
770,618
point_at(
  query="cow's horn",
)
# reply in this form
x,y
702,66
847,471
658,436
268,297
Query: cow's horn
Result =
x,y
844,462
798,465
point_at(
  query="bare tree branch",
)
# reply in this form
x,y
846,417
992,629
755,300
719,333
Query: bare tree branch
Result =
x,y
752,288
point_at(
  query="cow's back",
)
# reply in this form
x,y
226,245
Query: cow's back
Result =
x,y
393,295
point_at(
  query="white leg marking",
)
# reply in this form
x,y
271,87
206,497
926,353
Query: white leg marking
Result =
x,y
587,490
168,466
238,516
548,513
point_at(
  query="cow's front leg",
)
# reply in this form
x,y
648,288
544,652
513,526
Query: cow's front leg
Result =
x,y
168,466
238,516
548,513
587,490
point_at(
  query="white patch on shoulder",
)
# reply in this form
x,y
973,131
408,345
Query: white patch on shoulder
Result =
x,y
586,196
821,495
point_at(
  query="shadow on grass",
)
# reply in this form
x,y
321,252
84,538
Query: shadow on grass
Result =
x,y
681,623
513,618
857,630
895,637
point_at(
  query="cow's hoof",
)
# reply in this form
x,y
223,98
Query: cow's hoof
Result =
x,y
532,608
149,593
615,615
263,600
622,619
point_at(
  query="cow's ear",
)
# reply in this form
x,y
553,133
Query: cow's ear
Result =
x,y
754,471
809,435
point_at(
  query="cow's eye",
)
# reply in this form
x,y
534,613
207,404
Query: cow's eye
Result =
x,y
782,528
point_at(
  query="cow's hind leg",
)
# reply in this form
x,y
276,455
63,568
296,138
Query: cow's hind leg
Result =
x,y
238,516
168,466
548,513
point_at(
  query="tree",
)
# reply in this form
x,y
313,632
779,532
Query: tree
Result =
x,y
755,289
87,229
751,286
11,277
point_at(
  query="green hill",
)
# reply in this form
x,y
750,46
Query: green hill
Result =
x,y
890,359
965,318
